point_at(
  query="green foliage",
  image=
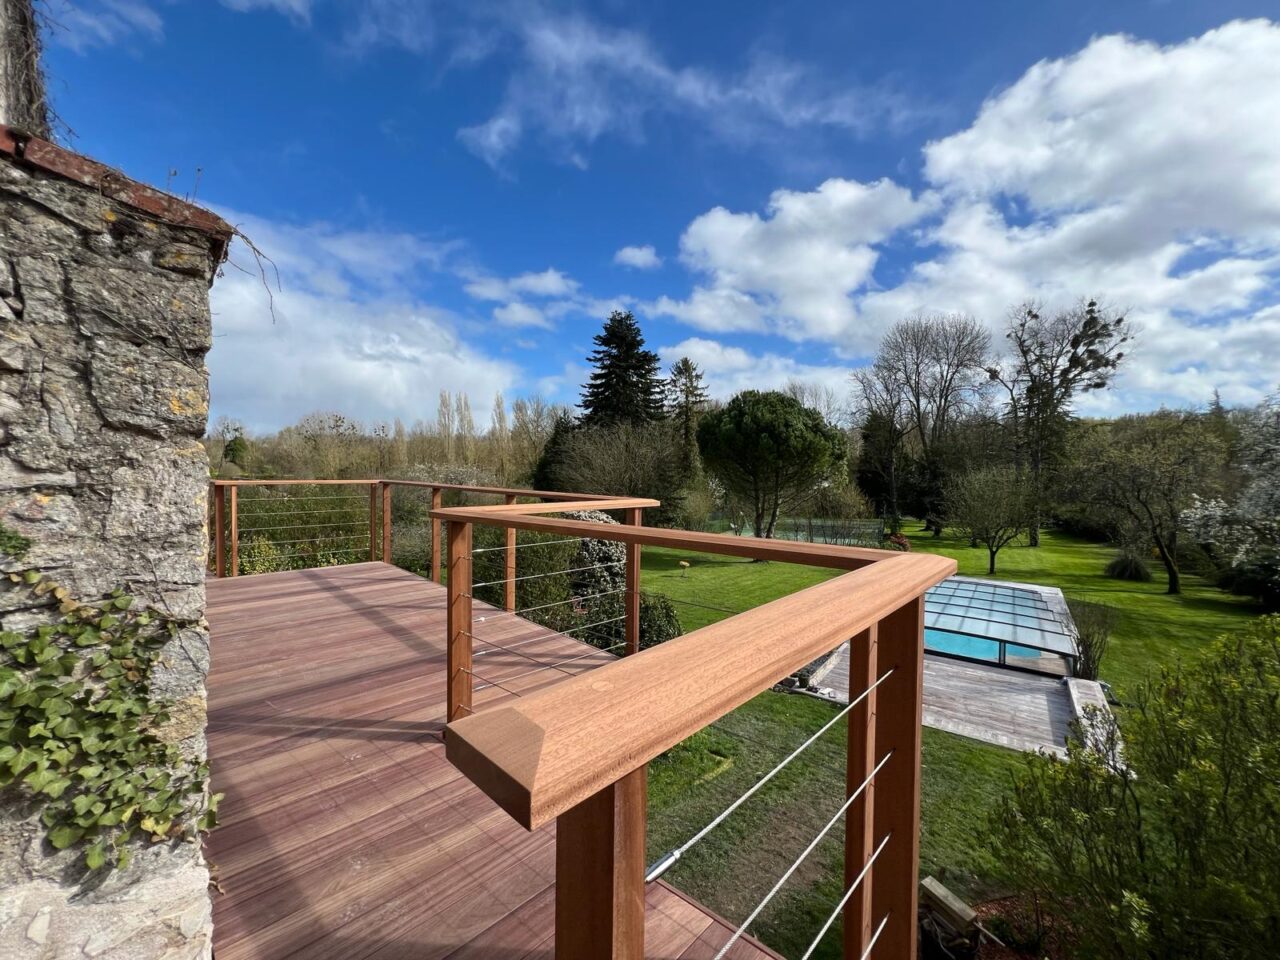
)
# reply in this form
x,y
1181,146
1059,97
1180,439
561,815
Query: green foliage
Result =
x,y
990,506
625,386
1170,849
1095,623
13,544
80,733
659,621
770,451
1129,566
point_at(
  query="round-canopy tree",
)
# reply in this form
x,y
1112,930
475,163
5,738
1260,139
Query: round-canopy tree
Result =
x,y
769,451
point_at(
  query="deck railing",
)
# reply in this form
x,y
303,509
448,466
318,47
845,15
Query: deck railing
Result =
x,y
577,752
327,522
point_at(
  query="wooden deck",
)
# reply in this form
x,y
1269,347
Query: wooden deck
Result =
x,y
1011,708
345,833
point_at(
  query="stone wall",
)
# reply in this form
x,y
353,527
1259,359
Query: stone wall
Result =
x,y
104,326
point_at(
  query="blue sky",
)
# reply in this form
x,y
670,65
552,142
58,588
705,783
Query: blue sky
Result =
x,y
456,194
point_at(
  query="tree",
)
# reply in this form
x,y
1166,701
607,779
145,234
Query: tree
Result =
x,y
1171,849
633,460
770,451
989,506
532,420
465,428
625,386
499,433
1149,469
445,424
1053,358
1246,533
879,396
686,398
938,363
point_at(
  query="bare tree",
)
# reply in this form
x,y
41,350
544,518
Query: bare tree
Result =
x,y
465,428
499,433
1052,359
881,405
445,425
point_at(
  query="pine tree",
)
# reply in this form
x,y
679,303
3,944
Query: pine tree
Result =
x,y
625,386
686,397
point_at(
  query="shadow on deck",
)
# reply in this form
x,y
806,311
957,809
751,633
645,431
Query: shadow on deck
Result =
x,y
345,832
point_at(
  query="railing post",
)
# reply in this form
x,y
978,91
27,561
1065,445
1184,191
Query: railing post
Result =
x,y
435,535
219,530
632,595
859,836
373,521
509,575
386,522
459,620
894,893
235,530
600,874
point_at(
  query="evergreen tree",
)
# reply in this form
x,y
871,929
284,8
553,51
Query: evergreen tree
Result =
x,y
686,398
625,386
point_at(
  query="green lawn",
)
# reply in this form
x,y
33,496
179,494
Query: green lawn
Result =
x,y
735,866
1154,628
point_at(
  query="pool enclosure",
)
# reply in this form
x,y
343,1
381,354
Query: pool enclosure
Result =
x,y
1022,625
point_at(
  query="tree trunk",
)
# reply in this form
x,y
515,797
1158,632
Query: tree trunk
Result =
x,y
1170,566
22,95
991,561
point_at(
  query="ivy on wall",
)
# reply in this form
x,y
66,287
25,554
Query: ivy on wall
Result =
x,y
79,731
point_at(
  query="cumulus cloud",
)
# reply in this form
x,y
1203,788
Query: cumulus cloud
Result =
x,y
794,270
731,369
638,258
348,331
1140,173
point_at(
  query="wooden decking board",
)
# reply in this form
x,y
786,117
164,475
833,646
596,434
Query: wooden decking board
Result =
x,y
346,834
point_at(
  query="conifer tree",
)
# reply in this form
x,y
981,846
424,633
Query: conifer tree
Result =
x,y
686,398
625,386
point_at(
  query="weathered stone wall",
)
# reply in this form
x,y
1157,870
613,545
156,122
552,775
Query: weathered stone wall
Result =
x,y
104,325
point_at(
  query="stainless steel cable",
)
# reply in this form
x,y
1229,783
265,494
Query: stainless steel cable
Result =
x,y
530,543
560,663
795,865
669,859
857,881
874,937
561,603
549,573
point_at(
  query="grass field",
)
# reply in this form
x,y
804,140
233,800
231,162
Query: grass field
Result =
x,y
734,867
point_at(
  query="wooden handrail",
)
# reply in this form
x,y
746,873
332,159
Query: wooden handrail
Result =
x,y
552,749
430,484
785,551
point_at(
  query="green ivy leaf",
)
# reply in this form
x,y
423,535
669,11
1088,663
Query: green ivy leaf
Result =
x,y
64,836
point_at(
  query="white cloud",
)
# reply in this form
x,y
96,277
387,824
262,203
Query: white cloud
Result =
x,y
638,258
299,10
578,80
519,314
349,333
87,24
730,369
794,270
1142,174
548,283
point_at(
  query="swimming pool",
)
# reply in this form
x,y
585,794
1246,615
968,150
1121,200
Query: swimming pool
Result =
x,y
1023,625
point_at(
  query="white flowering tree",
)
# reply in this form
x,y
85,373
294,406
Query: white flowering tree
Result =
x,y
1247,533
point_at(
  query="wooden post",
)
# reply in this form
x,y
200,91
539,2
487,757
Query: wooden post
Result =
x,y
459,621
386,522
600,874
632,595
435,536
509,576
859,838
900,646
235,530
373,521
219,530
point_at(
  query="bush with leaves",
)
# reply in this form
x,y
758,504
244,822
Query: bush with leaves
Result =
x,y
1094,625
1171,849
